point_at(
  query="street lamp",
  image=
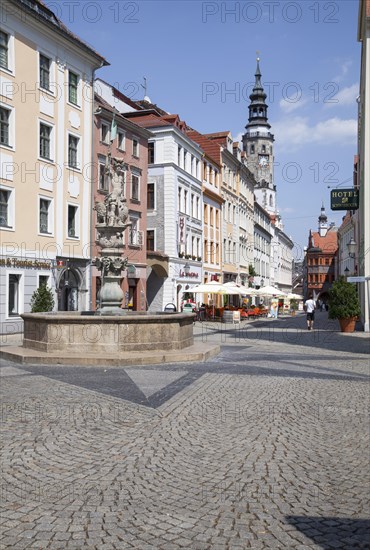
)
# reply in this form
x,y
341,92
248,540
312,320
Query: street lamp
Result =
x,y
346,272
351,247
186,268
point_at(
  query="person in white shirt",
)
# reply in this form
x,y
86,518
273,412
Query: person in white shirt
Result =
x,y
310,307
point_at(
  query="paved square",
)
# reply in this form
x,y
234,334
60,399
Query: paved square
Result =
x,y
265,446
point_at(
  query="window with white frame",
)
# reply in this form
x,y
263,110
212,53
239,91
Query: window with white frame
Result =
x,y
14,295
45,216
103,180
150,239
5,134
121,140
73,82
73,151
185,209
105,133
4,50
6,208
151,196
134,233
151,152
44,68
45,144
135,187
73,221
135,147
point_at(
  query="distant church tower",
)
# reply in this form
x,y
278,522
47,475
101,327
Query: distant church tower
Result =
x,y
323,222
258,146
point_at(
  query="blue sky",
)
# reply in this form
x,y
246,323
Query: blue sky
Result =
x,y
200,58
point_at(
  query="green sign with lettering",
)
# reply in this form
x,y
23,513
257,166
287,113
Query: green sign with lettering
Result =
x,y
344,199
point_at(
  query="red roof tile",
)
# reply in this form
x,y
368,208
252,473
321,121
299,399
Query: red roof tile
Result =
x,y
328,244
211,148
147,120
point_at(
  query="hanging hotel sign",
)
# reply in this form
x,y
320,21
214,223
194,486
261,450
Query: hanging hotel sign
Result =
x,y
182,230
344,199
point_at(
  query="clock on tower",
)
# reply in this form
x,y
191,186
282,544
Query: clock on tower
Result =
x,y
263,160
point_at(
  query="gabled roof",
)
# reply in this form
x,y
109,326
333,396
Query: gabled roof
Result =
x,y
211,149
150,118
327,244
147,120
131,125
219,137
41,12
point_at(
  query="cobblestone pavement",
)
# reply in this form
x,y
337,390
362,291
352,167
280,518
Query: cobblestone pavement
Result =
x,y
265,446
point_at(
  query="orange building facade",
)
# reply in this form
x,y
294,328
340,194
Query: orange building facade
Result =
x,y
320,264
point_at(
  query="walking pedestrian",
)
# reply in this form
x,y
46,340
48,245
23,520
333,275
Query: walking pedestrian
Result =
x,y
274,307
310,307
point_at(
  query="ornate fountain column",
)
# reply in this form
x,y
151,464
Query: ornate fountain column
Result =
x,y
111,222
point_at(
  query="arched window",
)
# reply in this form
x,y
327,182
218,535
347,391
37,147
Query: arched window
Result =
x,y
271,201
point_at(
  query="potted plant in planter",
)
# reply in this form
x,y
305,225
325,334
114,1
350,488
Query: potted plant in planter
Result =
x,y
293,306
344,304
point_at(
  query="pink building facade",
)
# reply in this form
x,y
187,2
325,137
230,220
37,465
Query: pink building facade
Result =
x,y
130,146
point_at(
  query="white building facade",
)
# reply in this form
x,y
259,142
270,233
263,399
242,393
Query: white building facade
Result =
x,y
176,221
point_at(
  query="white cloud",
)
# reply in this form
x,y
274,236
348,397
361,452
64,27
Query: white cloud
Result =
x,y
346,96
290,106
344,68
295,132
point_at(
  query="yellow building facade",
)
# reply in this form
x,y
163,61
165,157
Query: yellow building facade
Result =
x,y
46,116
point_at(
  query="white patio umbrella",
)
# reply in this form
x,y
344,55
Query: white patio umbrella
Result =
x,y
269,291
214,287
293,296
233,288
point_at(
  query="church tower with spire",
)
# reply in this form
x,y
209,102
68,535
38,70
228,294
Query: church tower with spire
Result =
x,y
258,144
323,222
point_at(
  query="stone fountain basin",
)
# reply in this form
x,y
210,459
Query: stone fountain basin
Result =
x,y
77,333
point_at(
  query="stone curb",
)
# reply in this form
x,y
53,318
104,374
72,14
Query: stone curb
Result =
x,y
192,353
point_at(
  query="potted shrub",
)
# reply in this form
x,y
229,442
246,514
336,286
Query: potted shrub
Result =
x,y
42,300
344,304
293,306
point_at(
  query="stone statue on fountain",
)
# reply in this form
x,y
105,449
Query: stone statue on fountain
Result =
x,y
112,216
